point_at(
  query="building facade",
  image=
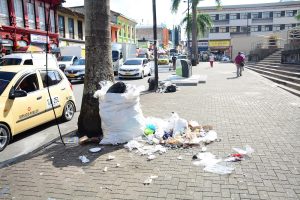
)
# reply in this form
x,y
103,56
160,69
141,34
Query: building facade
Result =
x,y
145,32
71,27
23,23
241,27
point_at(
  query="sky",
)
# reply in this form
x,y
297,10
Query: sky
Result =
x,y
141,10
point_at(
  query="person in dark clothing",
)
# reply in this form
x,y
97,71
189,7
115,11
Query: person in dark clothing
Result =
x,y
239,62
174,62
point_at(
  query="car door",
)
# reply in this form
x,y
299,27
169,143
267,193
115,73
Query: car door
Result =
x,y
53,80
28,110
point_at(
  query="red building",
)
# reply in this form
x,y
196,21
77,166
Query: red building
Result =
x,y
23,22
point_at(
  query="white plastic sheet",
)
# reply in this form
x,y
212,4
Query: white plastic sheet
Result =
x,y
121,116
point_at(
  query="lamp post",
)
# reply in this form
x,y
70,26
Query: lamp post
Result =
x,y
154,44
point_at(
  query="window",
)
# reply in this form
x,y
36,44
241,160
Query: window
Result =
x,y
29,83
61,26
51,78
244,29
233,16
52,21
80,32
288,26
233,29
132,31
276,27
42,17
266,28
266,15
129,32
243,15
120,32
222,17
255,15
19,12
277,14
222,29
214,30
31,15
4,16
213,17
71,28
289,13
28,62
254,28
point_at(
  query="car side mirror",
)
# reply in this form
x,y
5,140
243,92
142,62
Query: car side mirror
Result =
x,y
16,93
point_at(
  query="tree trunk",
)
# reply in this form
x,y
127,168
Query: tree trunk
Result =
x,y
194,33
98,65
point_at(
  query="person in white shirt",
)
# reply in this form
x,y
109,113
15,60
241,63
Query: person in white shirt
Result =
x,y
211,60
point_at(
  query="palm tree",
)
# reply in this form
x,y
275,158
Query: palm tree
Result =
x,y
98,64
204,23
175,5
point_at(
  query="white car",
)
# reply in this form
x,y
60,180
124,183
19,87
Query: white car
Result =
x,y
135,68
76,71
66,61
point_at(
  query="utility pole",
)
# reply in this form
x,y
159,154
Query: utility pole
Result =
x,y
155,43
188,29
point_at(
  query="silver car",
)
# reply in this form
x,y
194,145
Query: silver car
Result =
x,y
76,71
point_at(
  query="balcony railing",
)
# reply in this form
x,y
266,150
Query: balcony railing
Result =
x,y
262,20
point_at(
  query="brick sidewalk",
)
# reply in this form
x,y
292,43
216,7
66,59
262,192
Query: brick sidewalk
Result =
x,y
247,110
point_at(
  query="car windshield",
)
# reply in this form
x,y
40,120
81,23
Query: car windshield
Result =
x,y
10,61
5,78
79,62
115,55
133,62
65,58
163,57
142,56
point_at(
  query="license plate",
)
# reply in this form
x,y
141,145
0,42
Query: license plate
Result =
x,y
71,75
127,73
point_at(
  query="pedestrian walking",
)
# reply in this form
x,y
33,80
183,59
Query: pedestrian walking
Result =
x,y
211,60
239,62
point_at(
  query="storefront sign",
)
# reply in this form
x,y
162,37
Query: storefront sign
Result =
x,y
8,43
203,44
219,43
22,43
38,38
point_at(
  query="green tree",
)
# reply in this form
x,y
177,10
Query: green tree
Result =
x,y
298,17
204,23
175,5
98,65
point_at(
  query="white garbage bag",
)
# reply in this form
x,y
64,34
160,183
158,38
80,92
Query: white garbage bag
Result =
x,y
121,115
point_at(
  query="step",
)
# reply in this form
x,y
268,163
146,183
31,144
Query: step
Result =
x,y
288,84
293,91
279,67
278,71
276,75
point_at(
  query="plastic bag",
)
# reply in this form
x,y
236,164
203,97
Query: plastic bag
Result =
x,y
218,169
121,116
209,137
133,144
246,151
178,125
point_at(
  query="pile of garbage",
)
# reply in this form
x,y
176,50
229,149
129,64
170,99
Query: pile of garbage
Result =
x,y
123,122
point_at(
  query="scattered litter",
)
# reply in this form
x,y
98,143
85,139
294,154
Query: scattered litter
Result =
x,y
50,198
41,174
105,169
151,157
118,165
84,159
246,151
219,169
110,157
149,179
209,137
52,157
203,149
133,144
95,149
179,157
71,140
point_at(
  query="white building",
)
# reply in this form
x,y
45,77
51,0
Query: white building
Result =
x,y
242,27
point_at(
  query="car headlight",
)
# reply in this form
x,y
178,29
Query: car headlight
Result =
x,y
137,70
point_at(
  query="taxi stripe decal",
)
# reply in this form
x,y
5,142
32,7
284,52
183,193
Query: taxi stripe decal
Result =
x,y
47,110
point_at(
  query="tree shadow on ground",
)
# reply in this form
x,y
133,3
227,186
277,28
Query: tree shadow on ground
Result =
x,y
68,155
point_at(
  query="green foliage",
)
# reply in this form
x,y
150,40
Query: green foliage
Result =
x,y
204,23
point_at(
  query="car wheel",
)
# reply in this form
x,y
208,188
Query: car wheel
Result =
x,y
69,111
142,75
4,136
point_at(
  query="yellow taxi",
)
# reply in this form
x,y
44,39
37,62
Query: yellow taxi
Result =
x,y
163,60
25,102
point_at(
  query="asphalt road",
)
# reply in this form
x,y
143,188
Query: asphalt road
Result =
x,y
33,139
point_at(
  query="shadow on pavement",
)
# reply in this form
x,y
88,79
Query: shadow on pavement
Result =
x,y
234,77
63,156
